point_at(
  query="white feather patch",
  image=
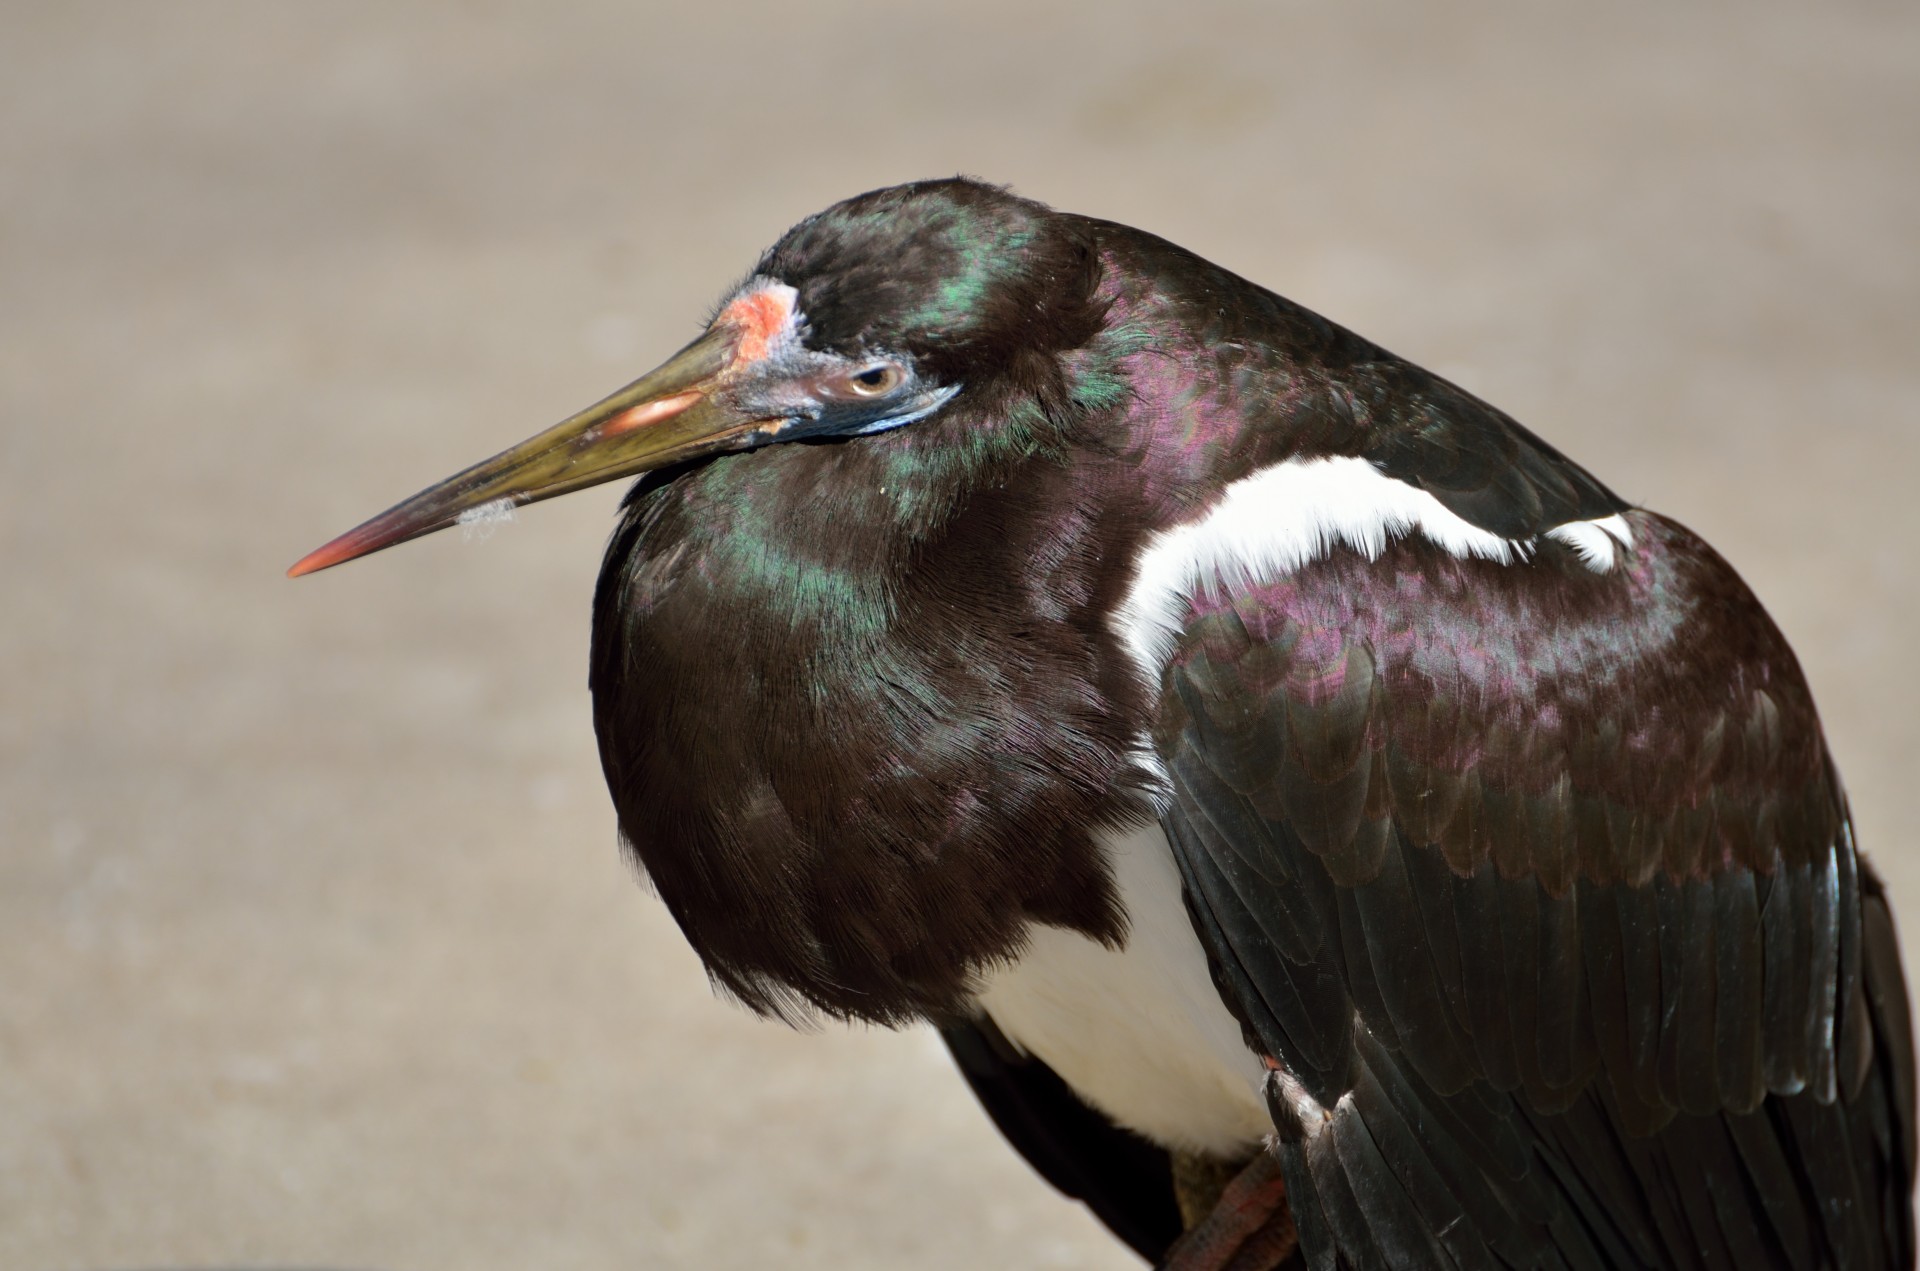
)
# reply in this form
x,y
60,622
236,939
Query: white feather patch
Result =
x,y
1269,524
1598,542
1138,1032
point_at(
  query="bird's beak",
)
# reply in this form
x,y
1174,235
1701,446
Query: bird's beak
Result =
x,y
667,415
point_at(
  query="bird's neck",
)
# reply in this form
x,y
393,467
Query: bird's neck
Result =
x,y
861,712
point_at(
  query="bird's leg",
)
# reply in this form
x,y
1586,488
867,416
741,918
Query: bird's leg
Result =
x,y
1247,1227
1198,1180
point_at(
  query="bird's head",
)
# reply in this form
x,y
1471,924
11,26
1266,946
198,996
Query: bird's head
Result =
x,y
871,316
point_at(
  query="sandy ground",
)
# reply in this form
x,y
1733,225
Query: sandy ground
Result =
x,y
315,944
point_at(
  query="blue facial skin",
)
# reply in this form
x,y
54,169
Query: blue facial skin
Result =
x,y
809,414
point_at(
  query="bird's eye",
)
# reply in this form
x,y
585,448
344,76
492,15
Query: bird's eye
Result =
x,y
876,381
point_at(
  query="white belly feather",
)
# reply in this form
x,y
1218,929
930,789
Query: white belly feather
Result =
x,y
1138,1032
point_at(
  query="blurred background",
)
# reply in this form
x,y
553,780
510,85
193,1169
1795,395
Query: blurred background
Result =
x,y
316,947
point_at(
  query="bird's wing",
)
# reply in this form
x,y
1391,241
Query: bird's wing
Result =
x,y
1537,889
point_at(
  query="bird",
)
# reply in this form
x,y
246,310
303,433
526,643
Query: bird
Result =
x,y
1329,827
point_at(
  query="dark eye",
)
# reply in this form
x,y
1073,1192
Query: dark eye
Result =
x,y
876,381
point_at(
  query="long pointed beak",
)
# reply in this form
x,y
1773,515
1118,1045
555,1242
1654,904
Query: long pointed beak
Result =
x,y
666,416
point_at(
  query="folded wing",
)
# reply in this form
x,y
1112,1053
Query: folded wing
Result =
x,y
1538,890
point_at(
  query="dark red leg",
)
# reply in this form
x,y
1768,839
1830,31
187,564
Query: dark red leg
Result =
x,y
1250,1228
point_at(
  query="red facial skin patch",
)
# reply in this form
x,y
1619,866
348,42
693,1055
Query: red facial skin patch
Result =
x,y
761,317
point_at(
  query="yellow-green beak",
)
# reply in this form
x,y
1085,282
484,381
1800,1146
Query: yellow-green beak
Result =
x,y
666,416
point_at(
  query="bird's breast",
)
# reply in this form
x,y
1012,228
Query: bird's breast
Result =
x,y
1139,1031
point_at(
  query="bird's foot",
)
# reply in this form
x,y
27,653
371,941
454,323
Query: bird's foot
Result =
x,y
1249,1227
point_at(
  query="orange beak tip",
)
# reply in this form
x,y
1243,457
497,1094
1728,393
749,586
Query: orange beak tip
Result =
x,y
315,561
352,545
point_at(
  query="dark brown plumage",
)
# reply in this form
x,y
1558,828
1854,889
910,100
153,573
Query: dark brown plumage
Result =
x,y
1026,625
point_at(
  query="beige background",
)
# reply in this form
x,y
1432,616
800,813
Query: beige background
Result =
x,y
315,945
